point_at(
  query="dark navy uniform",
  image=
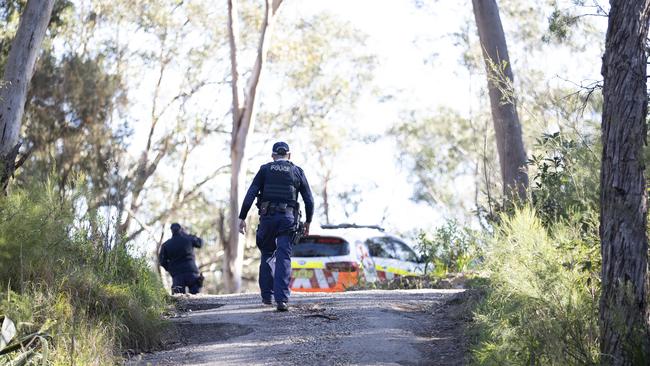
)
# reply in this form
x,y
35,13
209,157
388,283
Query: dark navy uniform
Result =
x,y
277,184
177,257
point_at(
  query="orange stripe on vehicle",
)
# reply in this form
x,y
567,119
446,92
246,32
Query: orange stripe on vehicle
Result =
x,y
329,282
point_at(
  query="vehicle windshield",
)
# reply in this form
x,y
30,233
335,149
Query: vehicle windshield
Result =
x,y
320,246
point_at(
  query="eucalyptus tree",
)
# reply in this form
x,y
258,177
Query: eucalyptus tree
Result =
x,y
316,67
171,58
243,124
66,134
625,324
325,66
441,148
17,74
548,98
71,98
510,145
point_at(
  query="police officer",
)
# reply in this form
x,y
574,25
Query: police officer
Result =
x,y
177,257
277,185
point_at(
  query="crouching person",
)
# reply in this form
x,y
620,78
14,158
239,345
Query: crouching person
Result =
x,y
177,257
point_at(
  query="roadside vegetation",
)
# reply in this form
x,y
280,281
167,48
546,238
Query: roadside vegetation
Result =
x,y
541,297
535,263
542,265
533,269
73,301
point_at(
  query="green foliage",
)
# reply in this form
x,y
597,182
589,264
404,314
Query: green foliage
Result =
x,y
57,278
564,180
10,11
67,123
541,302
560,25
541,306
324,61
564,177
71,99
450,249
440,150
325,64
564,23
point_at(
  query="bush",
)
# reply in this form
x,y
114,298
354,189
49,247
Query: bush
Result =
x,y
541,306
564,176
94,303
450,249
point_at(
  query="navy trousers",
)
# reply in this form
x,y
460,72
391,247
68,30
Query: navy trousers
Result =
x,y
189,280
273,236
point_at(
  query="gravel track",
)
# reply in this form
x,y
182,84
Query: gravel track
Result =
x,y
398,327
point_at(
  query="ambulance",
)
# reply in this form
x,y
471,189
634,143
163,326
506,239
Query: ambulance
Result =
x,y
341,256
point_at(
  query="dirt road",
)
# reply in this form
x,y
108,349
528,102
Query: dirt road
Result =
x,y
401,327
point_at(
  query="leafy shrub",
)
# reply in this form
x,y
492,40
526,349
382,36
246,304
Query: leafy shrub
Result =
x,y
565,177
57,276
541,306
564,180
450,249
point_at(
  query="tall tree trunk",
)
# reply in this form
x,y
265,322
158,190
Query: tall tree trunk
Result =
x,y
510,145
17,74
326,178
624,312
326,204
243,114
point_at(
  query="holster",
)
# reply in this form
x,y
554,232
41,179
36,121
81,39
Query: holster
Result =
x,y
264,208
298,233
199,281
298,230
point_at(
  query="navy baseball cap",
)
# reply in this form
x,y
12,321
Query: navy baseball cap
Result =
x,y
280,148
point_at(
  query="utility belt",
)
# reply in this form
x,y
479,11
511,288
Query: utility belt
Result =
x,y
298,229
270,208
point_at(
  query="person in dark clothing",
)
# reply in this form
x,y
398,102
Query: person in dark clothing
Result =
x,y
277,185
177,257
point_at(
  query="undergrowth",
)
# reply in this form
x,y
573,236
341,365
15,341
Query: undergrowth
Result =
x,y
541,301
450,249
58,279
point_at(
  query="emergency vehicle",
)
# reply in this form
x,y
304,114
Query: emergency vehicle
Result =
x,y
339,256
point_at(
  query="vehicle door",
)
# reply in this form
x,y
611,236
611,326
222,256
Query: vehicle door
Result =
x,y
405,258
383,253
367,262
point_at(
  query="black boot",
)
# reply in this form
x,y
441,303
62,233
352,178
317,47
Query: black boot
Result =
x,y
282,306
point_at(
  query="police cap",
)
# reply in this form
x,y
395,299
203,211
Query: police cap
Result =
x,y
280,148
